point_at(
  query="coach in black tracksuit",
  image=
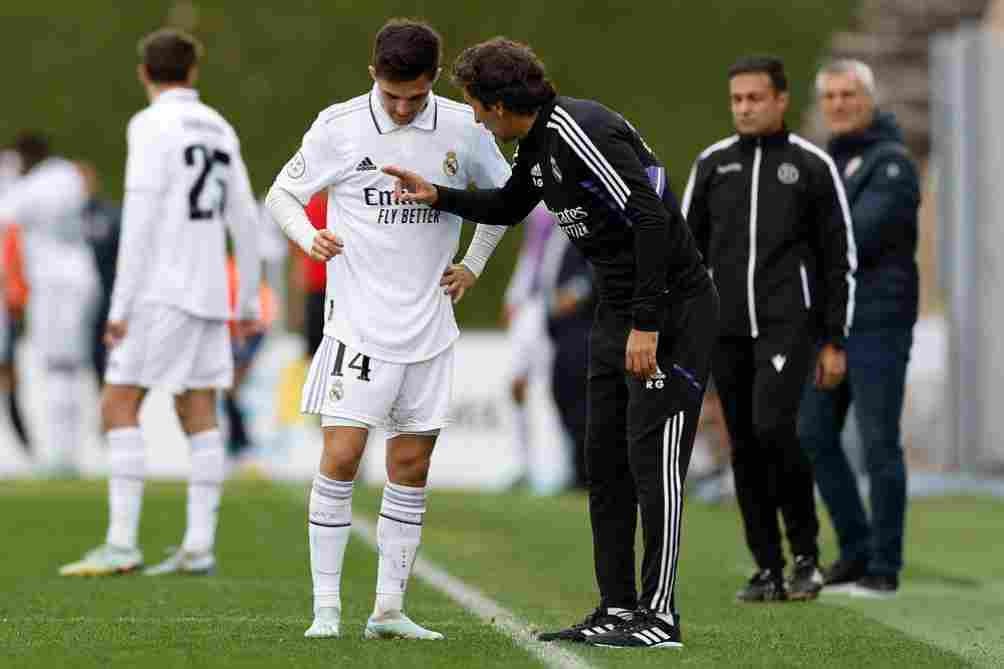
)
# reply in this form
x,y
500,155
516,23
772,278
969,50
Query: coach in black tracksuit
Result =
x,y
769,213
655,323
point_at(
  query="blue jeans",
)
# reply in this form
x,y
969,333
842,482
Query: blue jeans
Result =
x,y
875,383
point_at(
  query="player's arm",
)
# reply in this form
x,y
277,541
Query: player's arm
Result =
x,y
242,220
507,205
309,171
145,183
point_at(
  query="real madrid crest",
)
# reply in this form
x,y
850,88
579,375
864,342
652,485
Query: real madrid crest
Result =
x,y
451,165
336,391
555,171
297,166
787,173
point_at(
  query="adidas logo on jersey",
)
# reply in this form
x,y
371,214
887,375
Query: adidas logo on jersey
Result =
x,y
365,165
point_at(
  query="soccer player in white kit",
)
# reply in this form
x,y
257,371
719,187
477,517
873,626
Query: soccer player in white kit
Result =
x,y
387,355
185,181
47,203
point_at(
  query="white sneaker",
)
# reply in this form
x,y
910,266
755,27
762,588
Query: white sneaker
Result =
x,y
397,626
183,562
327,621
105,560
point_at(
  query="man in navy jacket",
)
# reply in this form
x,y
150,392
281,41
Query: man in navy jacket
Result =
x,y
882,187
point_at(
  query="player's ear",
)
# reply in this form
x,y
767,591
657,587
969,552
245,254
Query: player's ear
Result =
x,y
372,72
439,71
141,74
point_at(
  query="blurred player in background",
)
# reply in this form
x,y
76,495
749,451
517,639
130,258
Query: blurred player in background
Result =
x,y
13,296
167,327
387,354
47,204
102,229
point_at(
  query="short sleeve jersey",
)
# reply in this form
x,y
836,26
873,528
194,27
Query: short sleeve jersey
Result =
x,y
384,287
187,156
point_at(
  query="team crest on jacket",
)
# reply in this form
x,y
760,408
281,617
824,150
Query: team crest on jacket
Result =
x,y
451,165
555,171
297,166
787,173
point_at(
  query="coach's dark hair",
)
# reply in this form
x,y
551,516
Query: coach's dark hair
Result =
x,y
405,49
169,55
32,146
501,70
769,65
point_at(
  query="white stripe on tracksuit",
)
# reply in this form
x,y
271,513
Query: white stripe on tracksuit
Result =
x,y
584,147
672,491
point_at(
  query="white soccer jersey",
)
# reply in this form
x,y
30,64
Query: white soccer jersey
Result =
x,y
385,285
185,179
48,205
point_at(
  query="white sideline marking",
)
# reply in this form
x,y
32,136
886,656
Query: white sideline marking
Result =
x,y
482,606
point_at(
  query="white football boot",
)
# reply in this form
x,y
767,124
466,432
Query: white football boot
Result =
x,y
396,625
105,560
327,623
183,562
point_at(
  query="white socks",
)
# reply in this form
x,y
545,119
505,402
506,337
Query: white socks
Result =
x,y
205,486
330,517
63,419
399,531
126,468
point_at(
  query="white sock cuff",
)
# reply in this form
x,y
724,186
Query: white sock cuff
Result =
x,y
207,457
327,512
402,499
205,439
333,490
126,454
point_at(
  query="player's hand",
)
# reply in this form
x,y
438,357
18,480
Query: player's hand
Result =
x,y
831,366
248,327
639,358
410,187
326,246
457,279
115,332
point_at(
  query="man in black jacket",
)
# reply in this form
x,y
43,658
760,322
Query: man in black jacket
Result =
x,y
769,213
656,320
884,194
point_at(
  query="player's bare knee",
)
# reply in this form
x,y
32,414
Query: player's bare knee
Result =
x,y
407,466
119,408
343,452
196,410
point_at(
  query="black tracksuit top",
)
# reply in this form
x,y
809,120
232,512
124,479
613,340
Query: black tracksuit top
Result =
x,y
770,216
609,194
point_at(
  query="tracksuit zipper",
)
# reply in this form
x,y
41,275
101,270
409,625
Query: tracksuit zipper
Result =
x,y
751,269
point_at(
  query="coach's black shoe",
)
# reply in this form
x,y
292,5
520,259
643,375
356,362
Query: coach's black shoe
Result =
x,y
598,622
765,585
806,580
876,586
646,630
843,574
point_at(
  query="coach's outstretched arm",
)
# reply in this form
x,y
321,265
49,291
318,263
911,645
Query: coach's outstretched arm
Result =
x,y
508,205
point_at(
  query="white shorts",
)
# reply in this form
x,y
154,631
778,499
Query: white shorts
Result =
x,y
401,397
172,350
61,321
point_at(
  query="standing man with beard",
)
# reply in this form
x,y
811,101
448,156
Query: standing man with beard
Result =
x,y
769,213
884,194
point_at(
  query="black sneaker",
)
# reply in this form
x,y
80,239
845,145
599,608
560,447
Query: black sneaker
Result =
x,y
876,586
646,630
765,585
843,574
806,580
598,622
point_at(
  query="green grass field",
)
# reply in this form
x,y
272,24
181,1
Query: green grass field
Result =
x,y
532,555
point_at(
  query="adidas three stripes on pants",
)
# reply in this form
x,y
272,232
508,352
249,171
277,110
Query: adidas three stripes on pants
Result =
x,y
639,439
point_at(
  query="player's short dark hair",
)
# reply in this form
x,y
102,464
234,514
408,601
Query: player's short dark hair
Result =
x,y
769,65
506,71
405,49
169,55
32,146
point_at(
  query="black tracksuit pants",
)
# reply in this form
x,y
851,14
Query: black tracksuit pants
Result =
x,y
760,383
639,439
